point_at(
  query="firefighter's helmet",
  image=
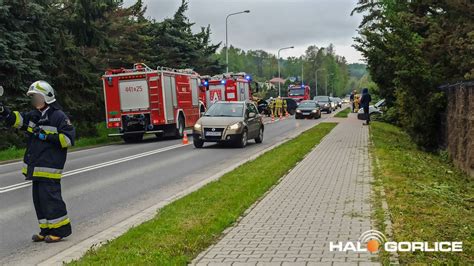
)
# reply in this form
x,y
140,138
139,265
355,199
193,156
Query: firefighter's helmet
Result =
x,y
42,87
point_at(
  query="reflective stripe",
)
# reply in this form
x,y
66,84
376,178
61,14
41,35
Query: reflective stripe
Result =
x,y
59,224
43,226
49,129
57,220
45,172
31,124
29,129
42,221
48,170
40,88
18,120
64,140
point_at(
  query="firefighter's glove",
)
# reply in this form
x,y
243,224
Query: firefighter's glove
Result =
x,y
40,133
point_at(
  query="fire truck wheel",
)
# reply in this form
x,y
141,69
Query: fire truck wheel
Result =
x,y
243,140
198,143
132,138
180,128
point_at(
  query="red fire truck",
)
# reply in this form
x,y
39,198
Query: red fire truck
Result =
x,y
142,101
226,87
299,92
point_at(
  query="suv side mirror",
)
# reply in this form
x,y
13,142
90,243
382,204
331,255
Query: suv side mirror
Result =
x,y
252,115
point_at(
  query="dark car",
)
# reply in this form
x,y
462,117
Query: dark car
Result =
x,y
324,103
338,101
263,107
308,109
233,122
291,105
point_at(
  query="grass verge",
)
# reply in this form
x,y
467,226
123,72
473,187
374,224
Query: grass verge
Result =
x,y
344,113
102,138
429,199
184,228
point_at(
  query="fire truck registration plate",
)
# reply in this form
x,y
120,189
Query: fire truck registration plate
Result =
x,y
213,134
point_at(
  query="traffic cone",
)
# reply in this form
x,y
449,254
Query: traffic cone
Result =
x,y
273,118
281,116
185,138
287,114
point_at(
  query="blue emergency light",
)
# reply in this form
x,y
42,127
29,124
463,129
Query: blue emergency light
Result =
x,y
223,81
248,77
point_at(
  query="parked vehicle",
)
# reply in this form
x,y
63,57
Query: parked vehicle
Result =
x,y
263,108
333,103
308,109
324,103
338,102
291,105
374,110
142,101
232,122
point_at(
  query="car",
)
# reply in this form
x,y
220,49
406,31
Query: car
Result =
x,y
374,110
333,103
338,102
263,109
291,105
229,122
324,103
308,109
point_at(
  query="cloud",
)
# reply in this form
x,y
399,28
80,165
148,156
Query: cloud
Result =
x,y
272,24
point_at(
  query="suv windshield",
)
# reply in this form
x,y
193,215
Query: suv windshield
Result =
x,y
226,109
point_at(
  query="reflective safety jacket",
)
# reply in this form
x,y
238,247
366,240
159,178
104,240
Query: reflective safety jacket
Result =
x,y
44,159
279,103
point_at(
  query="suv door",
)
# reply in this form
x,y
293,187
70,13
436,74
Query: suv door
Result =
x,y
252,123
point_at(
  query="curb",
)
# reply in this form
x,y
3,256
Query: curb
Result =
x,y
77,251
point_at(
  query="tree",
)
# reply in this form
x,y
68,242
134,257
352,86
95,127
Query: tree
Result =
x,y
413,47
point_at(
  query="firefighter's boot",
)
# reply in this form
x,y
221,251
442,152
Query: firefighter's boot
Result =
x,y
52,239
37,238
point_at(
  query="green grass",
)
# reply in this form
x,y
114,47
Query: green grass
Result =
x,y
184,228
17,153
343,113
429,199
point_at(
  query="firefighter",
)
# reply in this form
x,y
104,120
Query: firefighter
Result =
x,y
285,107
49,133
278,105
271,106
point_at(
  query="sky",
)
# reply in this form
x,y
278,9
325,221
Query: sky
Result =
x,y
271,24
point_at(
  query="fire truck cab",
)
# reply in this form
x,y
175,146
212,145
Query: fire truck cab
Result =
x,y
142,100
226,87
299,92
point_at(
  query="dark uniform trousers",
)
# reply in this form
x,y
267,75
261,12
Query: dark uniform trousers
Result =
x,y
51,209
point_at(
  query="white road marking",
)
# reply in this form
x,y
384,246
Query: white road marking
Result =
x,y
97,166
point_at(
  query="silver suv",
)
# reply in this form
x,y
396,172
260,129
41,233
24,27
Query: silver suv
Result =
x,y
233,122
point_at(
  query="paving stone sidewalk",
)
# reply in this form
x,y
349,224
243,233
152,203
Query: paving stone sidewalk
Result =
x,y
326,197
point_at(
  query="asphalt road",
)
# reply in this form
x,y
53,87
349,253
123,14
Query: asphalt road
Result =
x,y
105,185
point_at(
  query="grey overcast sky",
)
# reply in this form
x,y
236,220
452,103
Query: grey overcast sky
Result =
x,y
272,24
